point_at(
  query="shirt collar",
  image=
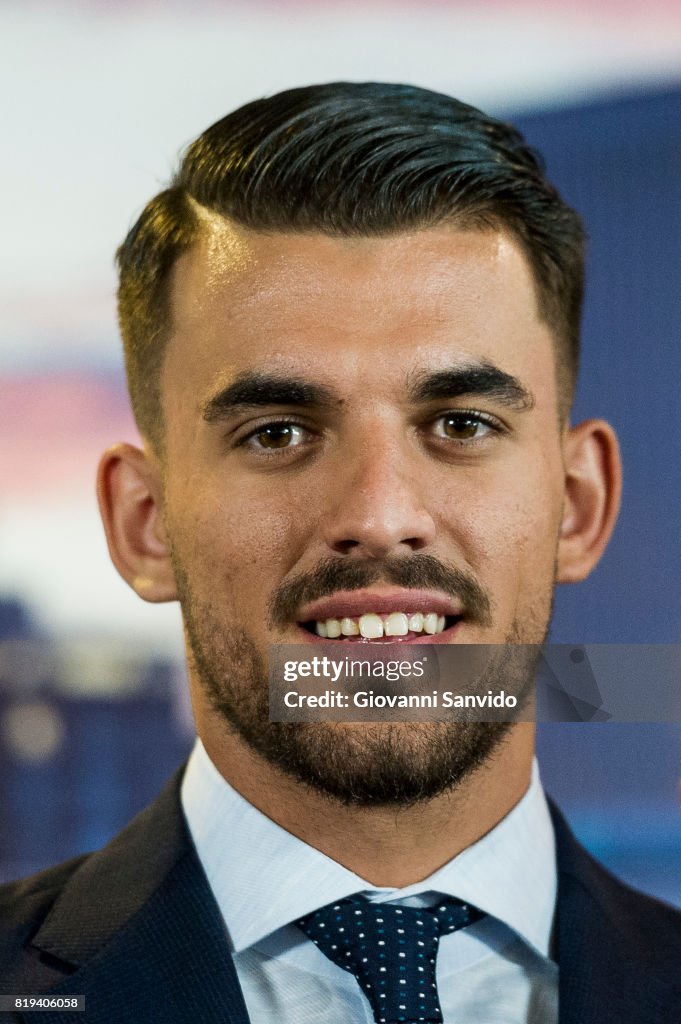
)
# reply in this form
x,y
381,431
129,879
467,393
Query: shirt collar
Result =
x,y
263,877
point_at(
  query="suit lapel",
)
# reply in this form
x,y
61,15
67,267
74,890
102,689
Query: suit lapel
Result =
x,y
139,933
614,964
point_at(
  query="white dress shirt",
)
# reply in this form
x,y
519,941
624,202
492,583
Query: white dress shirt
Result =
x,y
496,971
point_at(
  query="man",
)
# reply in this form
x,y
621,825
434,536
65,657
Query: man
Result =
x,y
351,330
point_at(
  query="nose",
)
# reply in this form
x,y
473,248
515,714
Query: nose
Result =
x,y
377,509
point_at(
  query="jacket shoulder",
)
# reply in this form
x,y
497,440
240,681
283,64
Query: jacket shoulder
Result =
x,y
652,925
24,905
68,911
640,927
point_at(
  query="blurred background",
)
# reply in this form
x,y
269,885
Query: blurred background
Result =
x,y
99,100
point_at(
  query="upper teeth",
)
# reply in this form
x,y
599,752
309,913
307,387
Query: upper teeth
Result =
x,y
372,626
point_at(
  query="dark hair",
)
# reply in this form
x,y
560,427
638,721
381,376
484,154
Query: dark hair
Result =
x,y
349,159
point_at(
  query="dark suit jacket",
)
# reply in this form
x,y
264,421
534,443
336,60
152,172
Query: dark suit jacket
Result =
x,y
135,929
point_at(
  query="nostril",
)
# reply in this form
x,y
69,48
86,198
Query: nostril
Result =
x,y
344,547
379,549
416,543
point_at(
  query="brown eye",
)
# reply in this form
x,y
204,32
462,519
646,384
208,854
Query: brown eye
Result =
x,y
276,436
462,426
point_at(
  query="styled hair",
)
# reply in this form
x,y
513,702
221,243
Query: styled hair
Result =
x,y
349,159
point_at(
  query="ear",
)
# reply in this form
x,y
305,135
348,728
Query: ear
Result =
x,y
593,486
130,495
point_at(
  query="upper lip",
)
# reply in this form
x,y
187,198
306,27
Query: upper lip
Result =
x,y
354,603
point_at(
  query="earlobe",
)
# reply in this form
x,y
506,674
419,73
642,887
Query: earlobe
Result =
x,y
593,486
130,495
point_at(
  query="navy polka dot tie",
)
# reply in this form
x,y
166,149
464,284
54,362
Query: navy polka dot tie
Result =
x,y
392,951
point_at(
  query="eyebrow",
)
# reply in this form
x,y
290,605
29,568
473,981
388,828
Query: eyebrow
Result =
x,y
259,390
483,379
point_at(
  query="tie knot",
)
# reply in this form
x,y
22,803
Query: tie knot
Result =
x,y
392,951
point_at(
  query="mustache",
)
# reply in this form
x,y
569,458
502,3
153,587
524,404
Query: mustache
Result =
x,y
416,572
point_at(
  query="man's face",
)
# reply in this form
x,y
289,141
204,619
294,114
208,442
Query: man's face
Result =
x,y
357,427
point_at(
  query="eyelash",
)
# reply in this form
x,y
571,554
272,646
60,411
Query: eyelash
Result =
x,y
483,418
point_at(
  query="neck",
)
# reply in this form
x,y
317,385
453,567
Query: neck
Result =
x,y
384,846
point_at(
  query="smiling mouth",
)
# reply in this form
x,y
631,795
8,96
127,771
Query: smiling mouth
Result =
x,y
372,627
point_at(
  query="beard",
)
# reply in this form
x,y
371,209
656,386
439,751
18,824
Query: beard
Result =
x,y
362,765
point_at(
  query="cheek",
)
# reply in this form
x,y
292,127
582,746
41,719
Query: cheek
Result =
x,y
506,524
235,541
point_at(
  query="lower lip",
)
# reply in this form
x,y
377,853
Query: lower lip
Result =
x,y
447,636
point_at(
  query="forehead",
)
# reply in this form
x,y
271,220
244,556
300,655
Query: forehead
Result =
x,y
368,311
